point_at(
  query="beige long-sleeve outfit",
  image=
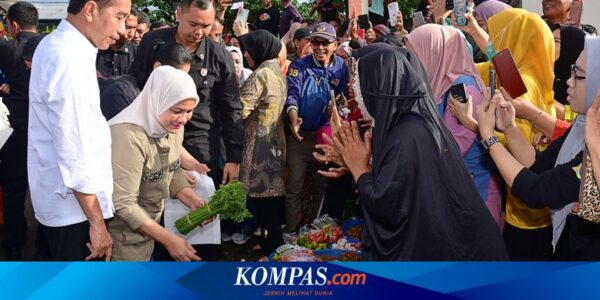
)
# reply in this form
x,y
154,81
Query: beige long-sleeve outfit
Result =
x,y
145,171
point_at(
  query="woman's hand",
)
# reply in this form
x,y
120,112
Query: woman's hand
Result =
x,y
505,114
463,112
335,173
471,27
180,249
486,115
201,168
330,155
240,27
355,152
523,108
540,141
190,177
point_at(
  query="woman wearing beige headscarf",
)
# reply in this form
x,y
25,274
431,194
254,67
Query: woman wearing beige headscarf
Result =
x,y
146,143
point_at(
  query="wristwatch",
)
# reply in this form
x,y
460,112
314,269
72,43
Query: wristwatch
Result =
x,y
490,141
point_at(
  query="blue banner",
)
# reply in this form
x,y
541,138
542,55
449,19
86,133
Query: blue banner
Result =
x,y
364,280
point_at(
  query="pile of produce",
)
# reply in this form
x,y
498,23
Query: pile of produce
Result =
x,y
319,238
294,253
323,240
353,230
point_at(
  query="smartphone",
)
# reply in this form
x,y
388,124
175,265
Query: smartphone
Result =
x,y
492,81
508,74
576,11
417,19
492,85
363,22
393,12
449,4
459,93
237,4
243,15
361,33
460,9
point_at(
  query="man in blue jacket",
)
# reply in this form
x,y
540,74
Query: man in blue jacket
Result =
x,y
310,82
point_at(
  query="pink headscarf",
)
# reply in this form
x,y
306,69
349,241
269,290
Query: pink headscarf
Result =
x,y
490,8
444,55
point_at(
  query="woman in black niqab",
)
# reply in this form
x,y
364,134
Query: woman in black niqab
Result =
x,y
418,200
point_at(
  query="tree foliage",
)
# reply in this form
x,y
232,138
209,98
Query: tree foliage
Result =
x,y
165,9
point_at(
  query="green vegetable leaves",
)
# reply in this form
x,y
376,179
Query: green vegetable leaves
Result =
x,y
229,202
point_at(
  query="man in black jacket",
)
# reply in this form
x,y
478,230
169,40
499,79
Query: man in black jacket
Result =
x,y
117,59
219,113
22,24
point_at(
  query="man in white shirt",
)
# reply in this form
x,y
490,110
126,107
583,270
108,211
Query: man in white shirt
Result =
x,y
69,145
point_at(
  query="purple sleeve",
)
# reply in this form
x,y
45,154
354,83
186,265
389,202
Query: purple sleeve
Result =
x,y
297,17
463,136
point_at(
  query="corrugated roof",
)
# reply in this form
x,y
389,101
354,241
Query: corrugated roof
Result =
x,y
47,9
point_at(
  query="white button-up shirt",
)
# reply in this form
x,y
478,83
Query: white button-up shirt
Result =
x,y
69,140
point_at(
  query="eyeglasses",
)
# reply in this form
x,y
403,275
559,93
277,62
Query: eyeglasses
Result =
x,y
574,75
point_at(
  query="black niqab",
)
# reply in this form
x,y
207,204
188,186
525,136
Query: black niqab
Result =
x,y
419,201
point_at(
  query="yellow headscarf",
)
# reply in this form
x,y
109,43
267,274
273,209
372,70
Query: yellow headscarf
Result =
x,y
532,45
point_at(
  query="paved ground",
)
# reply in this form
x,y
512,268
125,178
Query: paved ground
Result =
x,y
229,250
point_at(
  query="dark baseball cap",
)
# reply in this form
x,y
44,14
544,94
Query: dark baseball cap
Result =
x,y
302,33
325,31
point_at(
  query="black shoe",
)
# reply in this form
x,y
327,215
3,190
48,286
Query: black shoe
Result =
x,y
14,254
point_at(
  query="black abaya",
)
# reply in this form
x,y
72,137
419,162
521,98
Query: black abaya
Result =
x,y
419,201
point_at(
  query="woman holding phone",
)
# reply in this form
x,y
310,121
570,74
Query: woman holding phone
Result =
x,y
457,72
527,231
551,178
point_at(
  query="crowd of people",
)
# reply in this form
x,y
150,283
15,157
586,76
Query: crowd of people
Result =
x,y
114,115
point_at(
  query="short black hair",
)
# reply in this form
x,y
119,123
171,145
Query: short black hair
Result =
x,y
201,4
172,54
75,6
158,24
143,18
134,12
24,14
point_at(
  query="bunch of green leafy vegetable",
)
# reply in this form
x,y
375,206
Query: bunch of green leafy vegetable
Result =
x,y
229,202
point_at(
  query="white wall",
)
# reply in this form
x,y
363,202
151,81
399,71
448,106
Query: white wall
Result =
x,y
591,10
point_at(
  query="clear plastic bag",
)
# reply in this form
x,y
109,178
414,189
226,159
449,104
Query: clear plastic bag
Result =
x,y
174,209
293,253
5,129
